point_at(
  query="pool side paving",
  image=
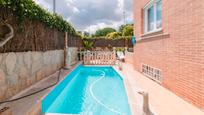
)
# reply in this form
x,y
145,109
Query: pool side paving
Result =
x,y
162,101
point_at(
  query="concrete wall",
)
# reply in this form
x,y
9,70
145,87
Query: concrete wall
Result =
x,y
20,70
177,50
72,55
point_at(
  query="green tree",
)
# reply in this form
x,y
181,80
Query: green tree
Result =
x,y
104,32
128,30
121,28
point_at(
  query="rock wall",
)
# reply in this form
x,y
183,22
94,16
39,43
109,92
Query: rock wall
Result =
x,y
20,70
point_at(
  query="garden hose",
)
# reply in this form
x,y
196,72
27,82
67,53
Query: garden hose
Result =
x,y
19,98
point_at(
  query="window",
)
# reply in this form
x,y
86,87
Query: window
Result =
x,y
153,16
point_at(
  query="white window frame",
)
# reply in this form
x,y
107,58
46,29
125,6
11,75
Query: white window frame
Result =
x,y
149,5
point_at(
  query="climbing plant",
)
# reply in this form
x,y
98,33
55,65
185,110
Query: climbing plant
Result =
x,y
28,9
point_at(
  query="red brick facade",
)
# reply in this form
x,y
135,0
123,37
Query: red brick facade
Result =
x,y
177,50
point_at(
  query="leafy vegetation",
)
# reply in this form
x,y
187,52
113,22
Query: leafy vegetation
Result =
x,y
87,44
113,35
124,32
128,30
28,9
104,32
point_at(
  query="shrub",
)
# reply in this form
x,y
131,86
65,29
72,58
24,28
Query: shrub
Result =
x,y
104,31
88,45
113,35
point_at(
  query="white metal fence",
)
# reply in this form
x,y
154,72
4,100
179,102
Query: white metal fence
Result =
x,y
98,57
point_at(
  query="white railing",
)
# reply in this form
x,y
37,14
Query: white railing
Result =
x,y
98,57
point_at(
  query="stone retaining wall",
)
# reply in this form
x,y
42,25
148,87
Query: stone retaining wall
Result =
x,y
20,70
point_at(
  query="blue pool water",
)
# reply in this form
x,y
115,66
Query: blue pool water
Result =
x,y
89,90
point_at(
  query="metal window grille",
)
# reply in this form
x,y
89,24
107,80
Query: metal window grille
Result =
x,y
151,72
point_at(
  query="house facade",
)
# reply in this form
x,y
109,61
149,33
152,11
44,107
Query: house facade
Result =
x,y
170,45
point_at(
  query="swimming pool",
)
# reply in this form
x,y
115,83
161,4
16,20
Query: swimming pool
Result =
x,y
89,90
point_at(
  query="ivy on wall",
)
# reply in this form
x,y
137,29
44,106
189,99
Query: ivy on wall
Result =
x,y
28,9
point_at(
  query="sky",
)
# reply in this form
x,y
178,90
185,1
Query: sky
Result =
x,y
90,15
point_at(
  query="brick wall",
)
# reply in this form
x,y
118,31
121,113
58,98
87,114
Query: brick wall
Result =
x,y
178,50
